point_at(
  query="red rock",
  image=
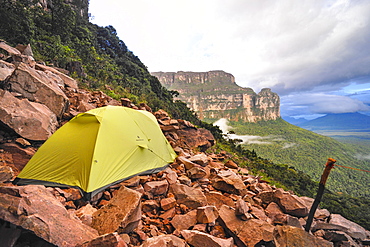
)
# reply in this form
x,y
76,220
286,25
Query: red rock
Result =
x,y
231,164
23,142
71,194
39,86
216,165
188,164
68,81
167,215
142,235
228,181
6,173
184,222
291,204
164,241
20,156
189,196
287,236
161,114
241,207
34,121
196,172
150,206
184,180
6,69
171,176
217,199
200,227
34,208
200,159
107,240
207,214
168,203
276,215
156,187
195,138
122,214
85,214
217,231
354,230
258,213
201,239
245,233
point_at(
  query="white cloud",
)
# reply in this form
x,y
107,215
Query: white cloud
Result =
x,y
245,139
362,156
288,45
319,103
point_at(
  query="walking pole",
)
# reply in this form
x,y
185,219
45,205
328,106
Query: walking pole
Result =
x,y
328,166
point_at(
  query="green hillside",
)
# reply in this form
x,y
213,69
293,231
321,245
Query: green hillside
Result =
x,y
307,151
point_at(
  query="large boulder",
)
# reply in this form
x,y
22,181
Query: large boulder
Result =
x,y
39,87
164,241
291,204
30,120
121,214
245,233
287,236
68,81
354,230
201,239
189,196
34,208
228,181
110,239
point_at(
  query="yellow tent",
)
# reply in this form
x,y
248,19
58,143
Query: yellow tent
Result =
x,y
99,148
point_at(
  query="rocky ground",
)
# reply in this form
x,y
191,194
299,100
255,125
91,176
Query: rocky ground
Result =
x,y
201,199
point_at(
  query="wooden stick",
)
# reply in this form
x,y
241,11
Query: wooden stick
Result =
x,y
328,166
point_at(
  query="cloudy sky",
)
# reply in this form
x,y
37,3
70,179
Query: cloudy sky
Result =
x,y
314,53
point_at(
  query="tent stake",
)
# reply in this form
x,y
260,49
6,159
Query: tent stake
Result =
x,y
328,166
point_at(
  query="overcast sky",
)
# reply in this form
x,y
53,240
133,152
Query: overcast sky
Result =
x,y
314,53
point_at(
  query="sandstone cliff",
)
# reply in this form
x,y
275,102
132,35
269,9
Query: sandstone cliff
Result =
x,y
215,94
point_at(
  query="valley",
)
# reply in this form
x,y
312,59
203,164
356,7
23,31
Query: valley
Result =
x,y
284,143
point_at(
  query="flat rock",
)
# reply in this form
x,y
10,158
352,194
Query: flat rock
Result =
x,y
110,239
32,121
189,196
228,181
164,241
291,204
245,233
121,214
70,82
287,236
217,199
201,239
6,69
354,230
185,221
34,208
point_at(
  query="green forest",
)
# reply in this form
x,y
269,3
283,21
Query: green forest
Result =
x,y
60,36
307,151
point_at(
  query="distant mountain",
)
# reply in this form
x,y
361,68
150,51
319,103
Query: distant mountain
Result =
x,y
295,121
344,121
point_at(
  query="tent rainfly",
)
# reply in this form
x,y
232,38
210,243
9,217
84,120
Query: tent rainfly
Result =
x,y
98,148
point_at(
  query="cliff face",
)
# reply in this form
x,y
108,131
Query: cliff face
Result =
x,y
215,94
